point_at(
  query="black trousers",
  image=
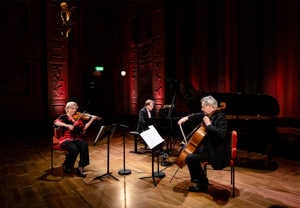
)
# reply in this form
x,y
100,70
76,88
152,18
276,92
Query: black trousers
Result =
x,y
74,148
197,173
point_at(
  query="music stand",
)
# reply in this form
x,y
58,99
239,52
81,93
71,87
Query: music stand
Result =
x,y
124,171
106,131
153,140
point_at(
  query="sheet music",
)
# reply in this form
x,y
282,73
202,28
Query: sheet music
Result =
x,y
105,131
151,137
98,135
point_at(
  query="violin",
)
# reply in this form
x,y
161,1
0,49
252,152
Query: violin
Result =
x,y
84,116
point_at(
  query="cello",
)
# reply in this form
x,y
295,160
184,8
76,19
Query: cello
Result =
x,y
194,141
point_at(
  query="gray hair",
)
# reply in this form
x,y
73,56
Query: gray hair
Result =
x,y
209,100
148,102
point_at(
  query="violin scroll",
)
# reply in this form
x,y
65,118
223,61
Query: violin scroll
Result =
x,y
222,106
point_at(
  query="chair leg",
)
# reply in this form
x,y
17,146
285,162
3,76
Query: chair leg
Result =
x,y
51,161
232,176
135,144
52,164
205,169
233,181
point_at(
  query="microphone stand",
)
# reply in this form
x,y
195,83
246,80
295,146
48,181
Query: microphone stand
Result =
x,y
124,171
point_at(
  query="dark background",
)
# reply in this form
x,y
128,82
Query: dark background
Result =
x,y
188,48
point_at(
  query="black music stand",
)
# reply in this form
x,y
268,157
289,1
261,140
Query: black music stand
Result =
x,y
155,174
106,131
124,171
153,140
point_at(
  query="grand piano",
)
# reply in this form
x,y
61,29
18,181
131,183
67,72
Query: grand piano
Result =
x,y
253,116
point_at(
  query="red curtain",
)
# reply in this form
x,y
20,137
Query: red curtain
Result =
x,y
242,46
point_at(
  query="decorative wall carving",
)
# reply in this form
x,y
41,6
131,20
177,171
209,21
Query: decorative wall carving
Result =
x,y
146,58
132,67
158,67
57,63
57,81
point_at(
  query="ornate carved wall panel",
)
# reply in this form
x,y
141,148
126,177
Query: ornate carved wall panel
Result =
x,y
147,61
132,67
57,61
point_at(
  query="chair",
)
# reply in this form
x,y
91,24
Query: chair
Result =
x,y
55,147
233,157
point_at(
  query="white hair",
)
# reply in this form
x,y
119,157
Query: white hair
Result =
x,y
70,105
209,100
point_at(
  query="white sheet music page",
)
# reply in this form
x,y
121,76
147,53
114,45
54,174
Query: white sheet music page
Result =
x,y
151,137
98,135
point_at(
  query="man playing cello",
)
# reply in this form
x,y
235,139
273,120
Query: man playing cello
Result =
x,y
213,146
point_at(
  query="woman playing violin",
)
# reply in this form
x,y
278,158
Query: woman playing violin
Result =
x,y
213,147
72,129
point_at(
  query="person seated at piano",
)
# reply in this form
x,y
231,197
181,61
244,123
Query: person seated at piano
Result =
x,y
73,127
145,115
213,147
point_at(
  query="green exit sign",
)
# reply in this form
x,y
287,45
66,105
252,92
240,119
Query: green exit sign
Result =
x,y
99,68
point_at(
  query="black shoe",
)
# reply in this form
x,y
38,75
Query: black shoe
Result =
x,y
195,181
80,173
198,188
67,170
201,181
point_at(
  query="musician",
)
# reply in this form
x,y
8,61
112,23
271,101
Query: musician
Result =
x,y
213,147
72,138
145,115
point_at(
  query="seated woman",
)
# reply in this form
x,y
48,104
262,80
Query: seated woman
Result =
x,y
71,141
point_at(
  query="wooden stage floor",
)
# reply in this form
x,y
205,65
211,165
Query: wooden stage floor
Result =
x,y
26,180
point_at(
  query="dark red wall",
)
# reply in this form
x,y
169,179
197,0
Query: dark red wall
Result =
x,y
215,46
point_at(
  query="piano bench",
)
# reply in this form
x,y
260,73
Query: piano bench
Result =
x,y
137,138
